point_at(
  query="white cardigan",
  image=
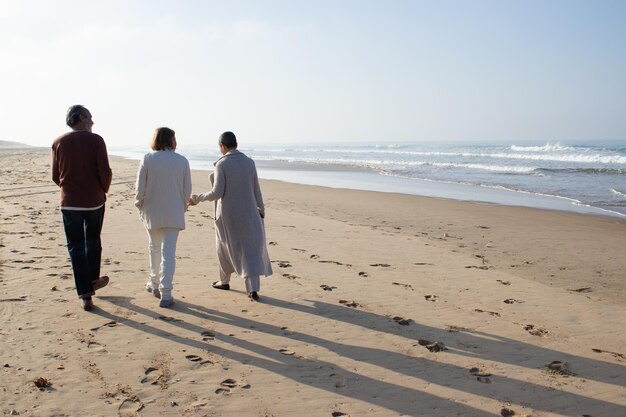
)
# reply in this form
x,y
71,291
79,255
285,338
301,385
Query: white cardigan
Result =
x,y
163,189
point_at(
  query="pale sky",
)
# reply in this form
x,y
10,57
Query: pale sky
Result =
x,y
315,71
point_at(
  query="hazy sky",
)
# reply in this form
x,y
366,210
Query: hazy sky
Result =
x,y
315,71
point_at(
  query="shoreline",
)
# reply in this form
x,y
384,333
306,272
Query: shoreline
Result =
x,y
356,178
359,178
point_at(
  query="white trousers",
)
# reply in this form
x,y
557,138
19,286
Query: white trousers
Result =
x,y
162,245
253,284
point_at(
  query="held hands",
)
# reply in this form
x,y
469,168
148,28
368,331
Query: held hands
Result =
x,y
193,200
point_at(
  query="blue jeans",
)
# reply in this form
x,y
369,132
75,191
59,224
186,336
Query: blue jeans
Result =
x,y
82,231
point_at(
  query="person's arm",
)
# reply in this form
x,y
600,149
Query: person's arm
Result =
x,y
104,169
56,175
187,182
218,188
140,184
258,196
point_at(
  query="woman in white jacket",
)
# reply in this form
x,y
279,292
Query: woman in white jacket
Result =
x,y
163,188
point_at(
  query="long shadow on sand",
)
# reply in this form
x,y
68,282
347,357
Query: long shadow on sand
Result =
x,y
479,345
316,372
312,372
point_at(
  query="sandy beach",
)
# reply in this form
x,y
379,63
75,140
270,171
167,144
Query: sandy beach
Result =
x,y
380,304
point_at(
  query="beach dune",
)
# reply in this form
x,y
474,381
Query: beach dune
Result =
x,y
380,304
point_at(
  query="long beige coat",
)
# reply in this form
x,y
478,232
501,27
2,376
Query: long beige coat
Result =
x,y
239,208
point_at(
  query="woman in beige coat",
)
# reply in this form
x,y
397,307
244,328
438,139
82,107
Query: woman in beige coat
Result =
x,y
239,213
163,189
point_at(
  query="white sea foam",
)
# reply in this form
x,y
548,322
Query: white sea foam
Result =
x,y
619,193
492,168
391,164
589,158
581,158
548,147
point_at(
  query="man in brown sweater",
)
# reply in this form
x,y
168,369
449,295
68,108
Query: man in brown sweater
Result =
x,y
80,167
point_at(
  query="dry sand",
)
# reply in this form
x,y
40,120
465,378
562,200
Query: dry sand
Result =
x,y
380,305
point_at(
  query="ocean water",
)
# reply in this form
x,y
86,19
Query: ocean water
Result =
x,y
575,177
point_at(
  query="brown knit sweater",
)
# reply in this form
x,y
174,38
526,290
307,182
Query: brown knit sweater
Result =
x,y
80,166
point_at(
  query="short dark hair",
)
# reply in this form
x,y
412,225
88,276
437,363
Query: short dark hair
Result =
x,y
74,113
228,139
163,139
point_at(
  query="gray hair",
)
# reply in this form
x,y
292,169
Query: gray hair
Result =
x,y
74,113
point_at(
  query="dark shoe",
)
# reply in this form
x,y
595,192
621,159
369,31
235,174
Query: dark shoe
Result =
x,y
218,285
88,304
100,283
155,291
253,296
166,302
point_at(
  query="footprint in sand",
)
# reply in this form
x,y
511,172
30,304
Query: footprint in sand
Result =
x,y
340,382
284,264
615,354
338,414
207,335
504,282
431,297
314,257
584,289
153,375
363,274
352,303
286,331
169,319
512,301
193,358
222,391
299,250
491,313
402,321
272,243
334,262
454,329
481,375
327,288
130,407
406,286
432,346
381,265
507,412
291,276
536,330
107,324
229,383
483,267
9,300
559,368
287,352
